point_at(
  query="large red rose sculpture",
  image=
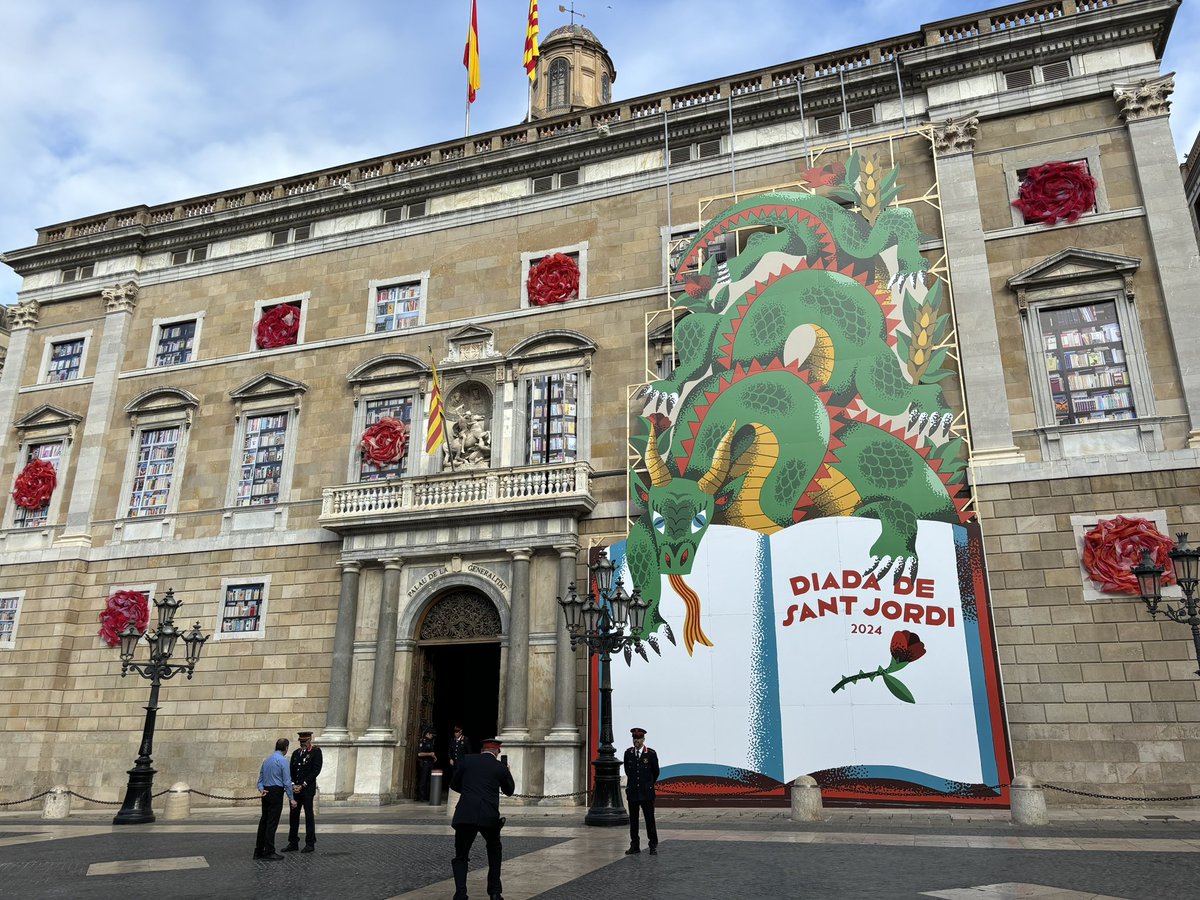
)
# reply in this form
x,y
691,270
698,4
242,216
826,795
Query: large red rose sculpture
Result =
x,y
385,441
278,327
1113,546
35,484
1056,190
555,279
122,608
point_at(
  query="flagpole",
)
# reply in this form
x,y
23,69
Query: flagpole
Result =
x,y
467,132
470,29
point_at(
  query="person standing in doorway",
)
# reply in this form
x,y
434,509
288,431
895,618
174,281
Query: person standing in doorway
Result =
x,y
274,780
426,760
459,747
641,773
479,778
306,766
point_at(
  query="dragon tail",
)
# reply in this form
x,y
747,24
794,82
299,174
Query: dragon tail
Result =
x,y
692,632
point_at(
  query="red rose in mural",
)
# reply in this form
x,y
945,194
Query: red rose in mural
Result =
x,y
824,176
385,441
555,279
35,484
697,285
1056,190
278,327
1113,546
122,608
907,647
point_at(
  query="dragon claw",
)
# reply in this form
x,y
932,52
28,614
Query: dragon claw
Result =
x,y
641,651
628,657
652,640
934,419
670,634
946,426
921,420
913,412
880,565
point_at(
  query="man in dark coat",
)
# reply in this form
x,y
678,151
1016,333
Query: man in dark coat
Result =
x,y
459,747
426,760
641,772
479,778
306,766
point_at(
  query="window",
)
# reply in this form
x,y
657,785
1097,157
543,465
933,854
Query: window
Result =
x,y
190,255
175,343
1085,363
10,613
243,608
689,152
262,460
675,245
552,413
66,360
398,408
577,252
605,88
286,330
291,235
559,84
397,303
544,183
155,471
829,124
1017,165
50,452
78,273
404,213
1023,78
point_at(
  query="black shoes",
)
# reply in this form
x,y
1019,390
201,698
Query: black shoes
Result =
x,y
267,857
308,848
291,848
654,851
631,851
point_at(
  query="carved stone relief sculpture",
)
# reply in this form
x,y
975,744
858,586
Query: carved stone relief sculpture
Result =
x,y
468,428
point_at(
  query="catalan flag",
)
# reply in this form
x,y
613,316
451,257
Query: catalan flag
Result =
x,y
471,55
531,42
437,423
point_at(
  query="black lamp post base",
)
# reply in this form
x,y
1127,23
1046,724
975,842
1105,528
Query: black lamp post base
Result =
x,y
606,816
608,806
136,810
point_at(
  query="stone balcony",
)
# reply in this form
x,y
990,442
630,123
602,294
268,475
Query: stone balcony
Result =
x,y
509,493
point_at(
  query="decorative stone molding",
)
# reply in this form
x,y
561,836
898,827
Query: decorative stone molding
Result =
x,y
956,135
23,315
1145,99
120,297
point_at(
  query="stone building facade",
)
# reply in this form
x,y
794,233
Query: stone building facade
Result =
x,y
364,602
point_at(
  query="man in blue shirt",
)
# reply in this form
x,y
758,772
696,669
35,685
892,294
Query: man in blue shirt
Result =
x,y
274,780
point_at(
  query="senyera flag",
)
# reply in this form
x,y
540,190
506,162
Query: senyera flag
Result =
x,y
531,42
437,422
471,55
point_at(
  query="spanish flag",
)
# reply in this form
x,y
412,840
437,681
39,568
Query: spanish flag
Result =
x,y
471,56
531,42
437,423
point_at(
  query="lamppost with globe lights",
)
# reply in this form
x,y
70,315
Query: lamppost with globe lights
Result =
x,y
136,808
1186,563
605,624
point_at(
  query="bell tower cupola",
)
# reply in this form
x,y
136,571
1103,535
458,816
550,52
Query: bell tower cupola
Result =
x,y
574,72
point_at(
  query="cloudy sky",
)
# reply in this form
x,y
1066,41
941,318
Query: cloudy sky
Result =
x,y
123,102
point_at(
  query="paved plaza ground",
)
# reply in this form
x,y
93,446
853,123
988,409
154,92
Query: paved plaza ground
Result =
x,y
404,851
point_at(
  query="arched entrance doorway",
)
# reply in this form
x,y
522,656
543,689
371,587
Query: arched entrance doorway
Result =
x,y
458,678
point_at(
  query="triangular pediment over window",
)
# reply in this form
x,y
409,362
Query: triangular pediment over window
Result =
x,y
267,385
1074,265
388,367
48,418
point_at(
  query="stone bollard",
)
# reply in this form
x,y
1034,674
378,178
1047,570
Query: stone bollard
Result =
x,y
57,804
806,800
1028,802
179,802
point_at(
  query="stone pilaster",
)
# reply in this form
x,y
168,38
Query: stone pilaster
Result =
x,y
560,773
515,732
336,746
374,770
22,319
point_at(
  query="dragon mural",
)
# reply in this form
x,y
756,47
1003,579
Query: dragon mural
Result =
x,y
807,385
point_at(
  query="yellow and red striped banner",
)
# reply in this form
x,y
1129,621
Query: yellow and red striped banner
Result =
x,y
471,55
531,42
437,422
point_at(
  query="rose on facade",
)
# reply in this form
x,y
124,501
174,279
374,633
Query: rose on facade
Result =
x,y
385,441
1115,545
555,279
1056,190
905,648
279,326
122,608
35,484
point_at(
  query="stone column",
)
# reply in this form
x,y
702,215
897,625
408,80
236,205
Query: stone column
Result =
x,y
1145,107
119,304
515,732
374,771
22,319
561,770
335,740
975,314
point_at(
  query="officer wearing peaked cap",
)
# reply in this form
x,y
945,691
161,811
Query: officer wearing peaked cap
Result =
x,y
305,767
641,773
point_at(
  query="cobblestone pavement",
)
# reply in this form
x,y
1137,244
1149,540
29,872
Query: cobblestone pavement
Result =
x,y
404,852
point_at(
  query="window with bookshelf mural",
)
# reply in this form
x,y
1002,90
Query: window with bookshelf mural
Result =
x,y
242,611
36,518
1085,364
262,460
66,360
155,470
675,250
397,306
552,410
398,408
175,343
10,606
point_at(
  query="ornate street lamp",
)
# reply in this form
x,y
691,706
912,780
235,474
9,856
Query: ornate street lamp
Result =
x,y
1186,563
607,623
136,808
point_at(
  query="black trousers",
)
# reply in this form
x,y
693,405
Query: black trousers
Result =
x,y
647,808
304,801
272,806
464,837
424,773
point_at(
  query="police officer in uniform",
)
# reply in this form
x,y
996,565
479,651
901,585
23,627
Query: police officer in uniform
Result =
x,y
479,778
459,747
641,772
426,759
306,766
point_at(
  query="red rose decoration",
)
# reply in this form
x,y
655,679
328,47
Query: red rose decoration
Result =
x,y
1056,190
906,647
385,441
35,484
555,279
1113,546
278,327
122,608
